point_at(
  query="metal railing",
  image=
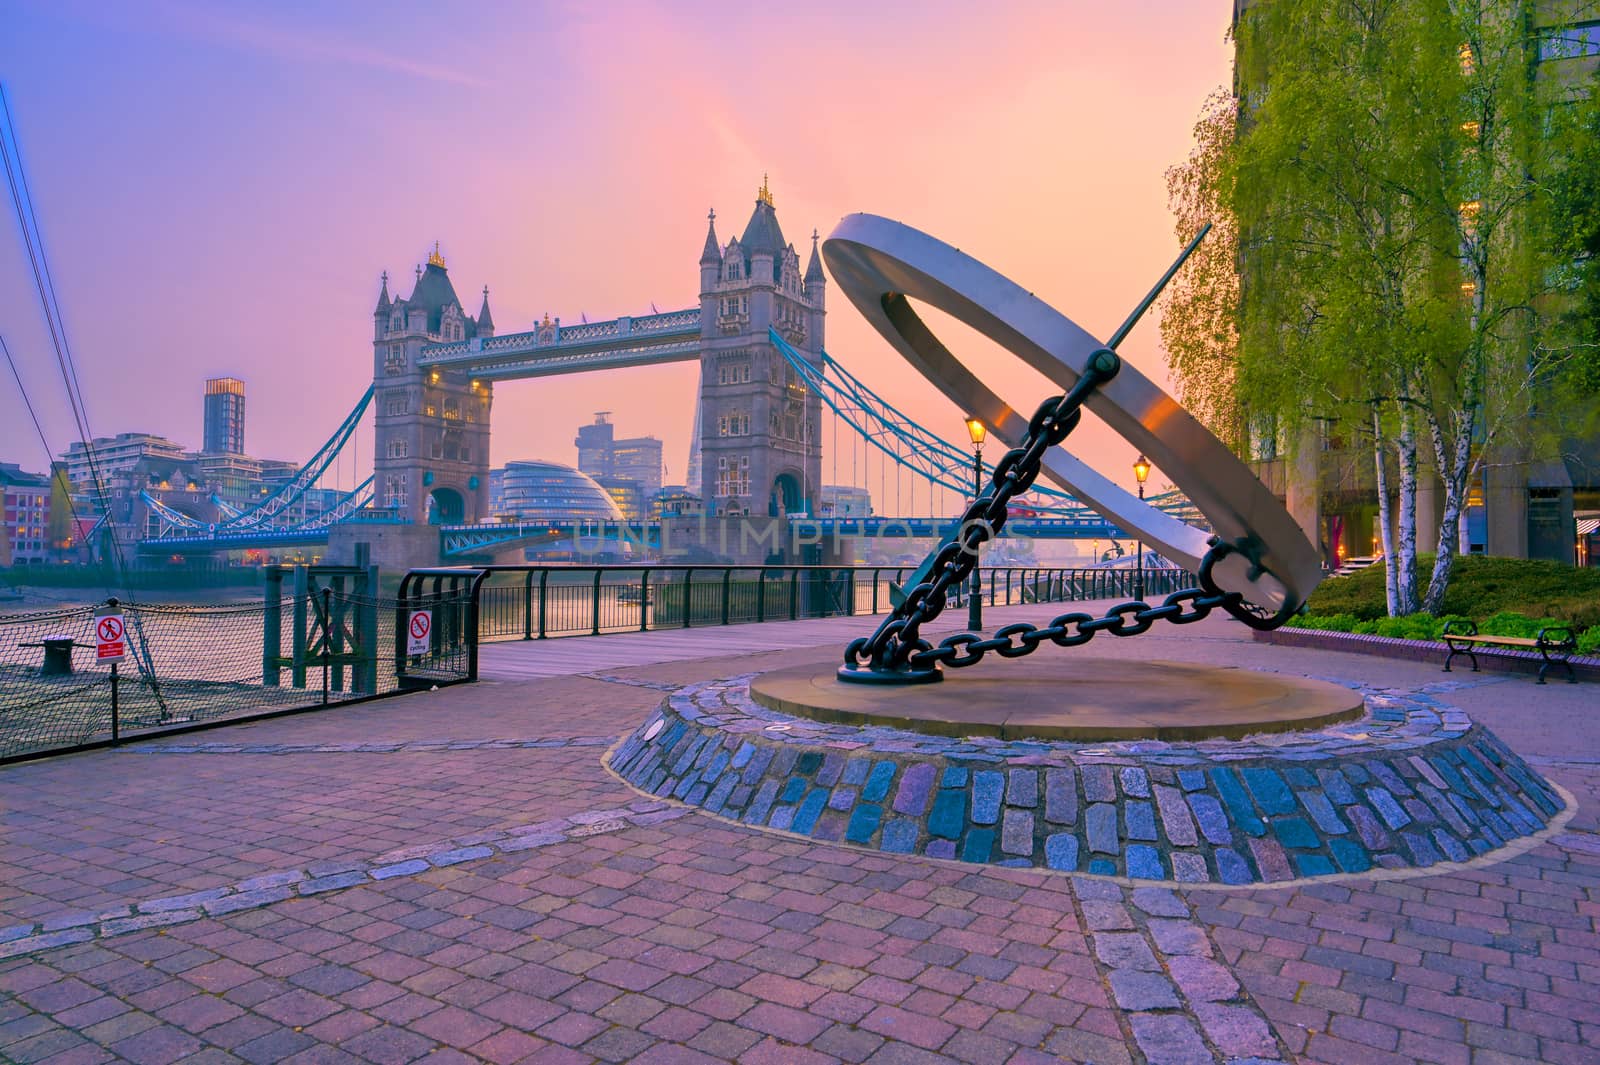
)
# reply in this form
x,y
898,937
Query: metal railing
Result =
x,y
193,667
539,602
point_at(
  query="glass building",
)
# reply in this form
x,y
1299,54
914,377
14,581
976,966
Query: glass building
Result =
x,y
548,491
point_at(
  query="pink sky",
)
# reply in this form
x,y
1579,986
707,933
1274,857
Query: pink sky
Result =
x,y
220,185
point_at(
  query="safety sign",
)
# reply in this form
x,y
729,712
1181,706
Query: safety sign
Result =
x,y
110,642
421,624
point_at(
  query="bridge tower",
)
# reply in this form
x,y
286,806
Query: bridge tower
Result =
x,y
760,440
431,453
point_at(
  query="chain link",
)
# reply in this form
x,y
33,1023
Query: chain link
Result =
x,y
897,647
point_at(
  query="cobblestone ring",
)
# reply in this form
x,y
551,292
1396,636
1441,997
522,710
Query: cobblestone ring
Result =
x,y
882,265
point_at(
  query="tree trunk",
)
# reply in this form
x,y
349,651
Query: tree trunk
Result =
x,y
1454,458
1385,512
1405,585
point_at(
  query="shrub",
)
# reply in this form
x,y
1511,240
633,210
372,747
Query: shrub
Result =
x,y
1589,641
1326,622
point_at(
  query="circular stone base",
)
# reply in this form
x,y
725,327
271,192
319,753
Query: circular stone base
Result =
x,y
1050,698
1409,784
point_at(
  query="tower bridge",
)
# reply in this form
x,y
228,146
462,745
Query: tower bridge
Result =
x,y
435,368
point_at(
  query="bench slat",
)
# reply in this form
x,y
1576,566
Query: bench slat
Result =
x,y
1511,641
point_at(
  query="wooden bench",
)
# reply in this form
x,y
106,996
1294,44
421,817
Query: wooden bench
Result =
x,y
1555,644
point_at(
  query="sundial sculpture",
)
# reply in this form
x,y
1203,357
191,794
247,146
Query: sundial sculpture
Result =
x,y
1255,563
1163,773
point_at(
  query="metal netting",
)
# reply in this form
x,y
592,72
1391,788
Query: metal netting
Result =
x,y
189,665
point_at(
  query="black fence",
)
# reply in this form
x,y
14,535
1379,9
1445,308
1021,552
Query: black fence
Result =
x,y
537,602
190,667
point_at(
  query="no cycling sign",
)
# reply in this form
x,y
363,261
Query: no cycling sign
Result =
x,y
418,629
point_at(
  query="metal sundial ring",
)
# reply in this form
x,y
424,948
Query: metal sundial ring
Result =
x,y
1255,562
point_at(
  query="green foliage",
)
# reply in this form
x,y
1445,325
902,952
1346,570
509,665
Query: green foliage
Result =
x,y
1504,596
1482,585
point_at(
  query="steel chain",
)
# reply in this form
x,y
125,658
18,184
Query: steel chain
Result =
x,y
897,646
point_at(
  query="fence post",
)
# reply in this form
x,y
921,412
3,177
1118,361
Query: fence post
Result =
x,y
727,576
327,641
116,714
761,594
302,593
272,626
688,594
874,591
644,600
527,605
368,634
544,580
595,630
794,593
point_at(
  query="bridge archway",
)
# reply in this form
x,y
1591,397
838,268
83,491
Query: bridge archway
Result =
x,y
787,495
446,507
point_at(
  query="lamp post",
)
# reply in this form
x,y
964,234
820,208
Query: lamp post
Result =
x,y
976,431
1141,470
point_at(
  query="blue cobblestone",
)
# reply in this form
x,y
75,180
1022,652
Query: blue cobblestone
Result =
x,y
877,787
1232,869
808,762
987,787
1100,822
954,776
764,801
1350,856
1271,793
1060,796
742,756
792,791
1144,862
1388,777
1022,788
1061,851
842,798
1135,782
1103,867
1299,776
863,823
1192,779
1296,832
855,771
1312,865
900,836
978,845
1244,814
1422,850
1336,787
1387,808
1141,820
949,815
1213,821
757,766
805,817
1452,847
1099,784
1323,813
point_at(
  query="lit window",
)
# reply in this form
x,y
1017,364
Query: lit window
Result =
x,y
1469,217
1468,63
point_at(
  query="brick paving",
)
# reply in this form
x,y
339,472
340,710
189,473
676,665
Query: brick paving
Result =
x,y
694,940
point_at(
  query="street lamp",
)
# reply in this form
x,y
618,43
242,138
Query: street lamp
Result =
x,y
976,431
1141,470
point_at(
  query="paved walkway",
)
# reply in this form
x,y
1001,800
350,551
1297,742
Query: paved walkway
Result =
x,y
451,875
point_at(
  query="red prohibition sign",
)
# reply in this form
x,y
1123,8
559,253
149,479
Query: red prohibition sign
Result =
x,y
109,630
419,625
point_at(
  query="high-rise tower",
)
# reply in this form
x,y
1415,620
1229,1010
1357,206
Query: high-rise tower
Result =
x,y
224,417
431,454
759,423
